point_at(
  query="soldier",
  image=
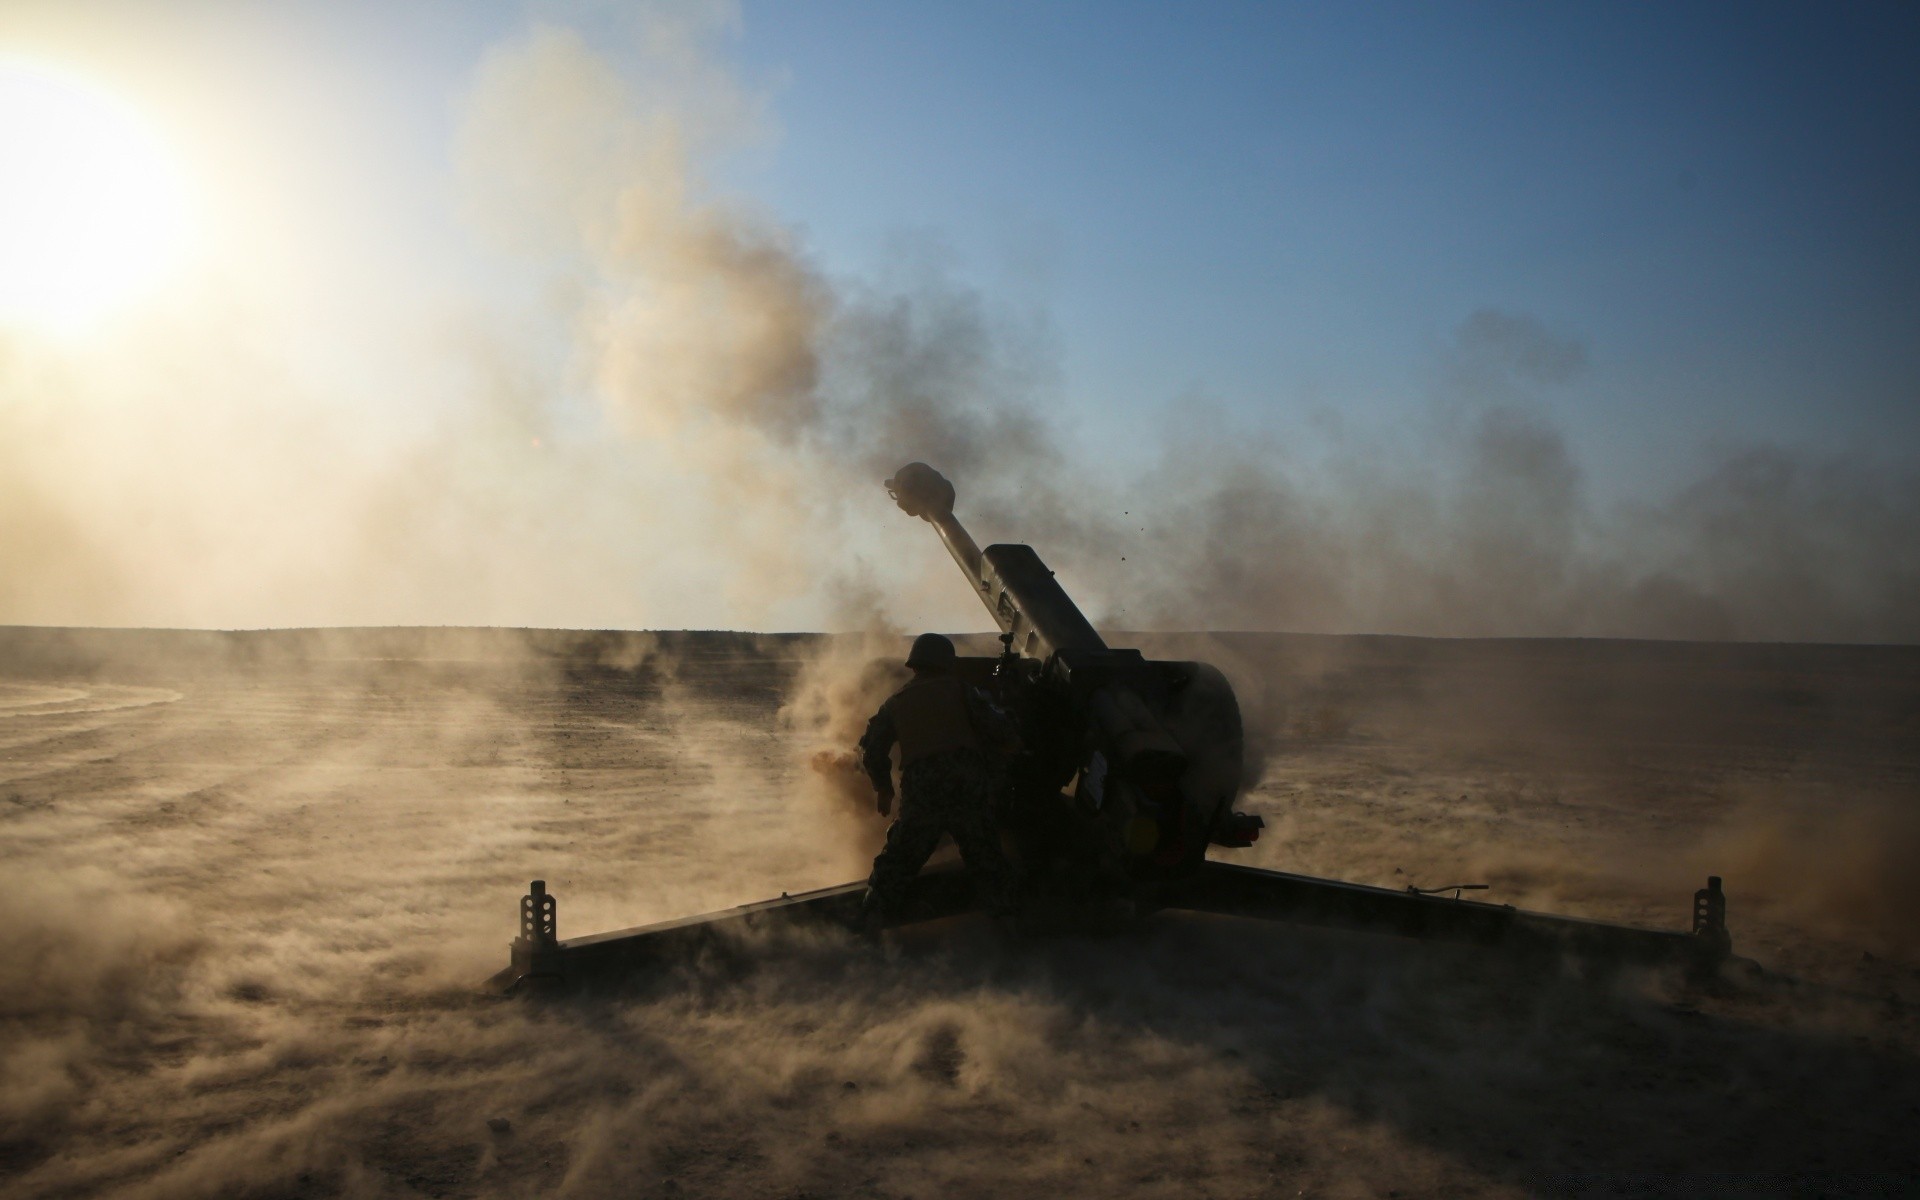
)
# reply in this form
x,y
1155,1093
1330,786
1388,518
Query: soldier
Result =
x,y
949,736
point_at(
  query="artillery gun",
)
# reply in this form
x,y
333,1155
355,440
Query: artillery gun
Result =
x,y
1127,774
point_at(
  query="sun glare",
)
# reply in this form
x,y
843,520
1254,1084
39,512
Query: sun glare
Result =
x,y
93,210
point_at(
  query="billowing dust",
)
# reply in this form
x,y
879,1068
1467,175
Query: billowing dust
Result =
x,y
254,882
839,686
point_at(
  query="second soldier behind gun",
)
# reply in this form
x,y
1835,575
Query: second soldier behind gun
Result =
x,y
950,737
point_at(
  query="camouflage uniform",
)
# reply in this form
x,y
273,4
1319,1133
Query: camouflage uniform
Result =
x,y
947,782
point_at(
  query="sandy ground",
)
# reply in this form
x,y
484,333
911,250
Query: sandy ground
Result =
x,y
252,882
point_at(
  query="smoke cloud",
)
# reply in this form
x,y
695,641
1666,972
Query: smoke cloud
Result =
x,y
685,424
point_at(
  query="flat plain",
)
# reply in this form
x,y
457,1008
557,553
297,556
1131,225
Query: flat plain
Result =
x,y
253,881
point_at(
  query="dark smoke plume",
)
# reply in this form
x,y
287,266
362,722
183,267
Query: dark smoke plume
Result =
x,y
799,392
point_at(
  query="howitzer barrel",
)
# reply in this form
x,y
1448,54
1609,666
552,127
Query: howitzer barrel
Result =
x,y
1010,580
923,492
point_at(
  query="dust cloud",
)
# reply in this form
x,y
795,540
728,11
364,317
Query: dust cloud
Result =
x,y
836,691
255,879
1845,864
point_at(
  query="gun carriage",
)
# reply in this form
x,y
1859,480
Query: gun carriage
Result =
x,y
1126,775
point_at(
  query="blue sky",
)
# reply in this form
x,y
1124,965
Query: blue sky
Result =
x,y
1290,206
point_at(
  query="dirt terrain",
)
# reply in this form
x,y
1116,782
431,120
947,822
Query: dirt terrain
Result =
x,y
253,882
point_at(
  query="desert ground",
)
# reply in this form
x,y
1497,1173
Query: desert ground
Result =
x,y
253,882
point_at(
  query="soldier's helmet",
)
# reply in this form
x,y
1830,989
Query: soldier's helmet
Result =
x,y
931,650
